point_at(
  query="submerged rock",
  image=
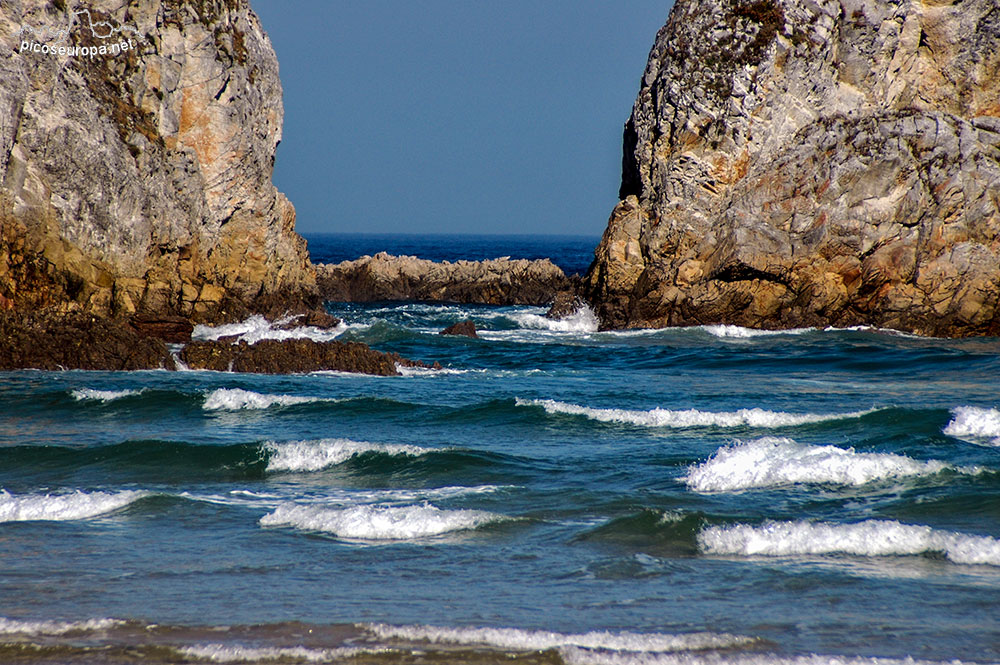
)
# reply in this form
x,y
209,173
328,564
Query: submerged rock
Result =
x,y
271,356
465,328
797,163
495,282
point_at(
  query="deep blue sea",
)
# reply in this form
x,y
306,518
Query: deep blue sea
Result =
x,y
555,495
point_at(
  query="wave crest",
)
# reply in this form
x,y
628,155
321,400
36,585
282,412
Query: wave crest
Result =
x,y
324,453
76,505
85,394
970,422
540,640
236,399
777,462
870,538
379,523
690,417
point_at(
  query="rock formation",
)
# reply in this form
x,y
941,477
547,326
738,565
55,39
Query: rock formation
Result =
x,y
493,282
141,180
811,162
465,328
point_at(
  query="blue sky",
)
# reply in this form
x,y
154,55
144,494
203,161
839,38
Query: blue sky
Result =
x,y
456,117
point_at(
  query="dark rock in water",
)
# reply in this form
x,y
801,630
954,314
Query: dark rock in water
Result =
x,y
466,328
494,282
292,356
314,319
567,303
174,329
796,163
77,341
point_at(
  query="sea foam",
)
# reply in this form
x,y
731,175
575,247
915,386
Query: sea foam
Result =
x,y
16,626
377,523
83,394
76,505
777,462
235,399
870,538
577,656
230,653
324,453
538,640
256,328
691,417
583,320
975,424
740,332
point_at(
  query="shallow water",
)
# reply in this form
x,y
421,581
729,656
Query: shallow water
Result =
x,y
555,495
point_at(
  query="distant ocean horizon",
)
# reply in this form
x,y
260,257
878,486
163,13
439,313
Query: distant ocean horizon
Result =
x,y
572,253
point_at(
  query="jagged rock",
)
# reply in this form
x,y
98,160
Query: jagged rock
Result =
x,y
314,319
495,281
142,181
809,163
466,328
174,329
291,356
566,303
77,341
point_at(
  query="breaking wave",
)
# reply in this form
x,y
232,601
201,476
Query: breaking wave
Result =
x,y
102,395
228,653
583,320
870,538
324,453
743,333
976,424
257,328
379,523
777,462
540,640
691,417
76,505
235,399
15,626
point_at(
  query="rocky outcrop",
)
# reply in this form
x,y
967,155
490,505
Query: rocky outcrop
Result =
x,y
465,328
494,282
141,180
76,341
811,162
291,356
173,329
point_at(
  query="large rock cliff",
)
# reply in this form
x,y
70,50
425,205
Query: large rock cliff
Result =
x,y
141,179
812,162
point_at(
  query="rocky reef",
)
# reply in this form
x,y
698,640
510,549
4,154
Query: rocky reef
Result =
x,y
811,163
493,282
141,180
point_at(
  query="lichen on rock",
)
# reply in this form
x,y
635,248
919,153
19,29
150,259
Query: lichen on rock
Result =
x,y
142,181
791,163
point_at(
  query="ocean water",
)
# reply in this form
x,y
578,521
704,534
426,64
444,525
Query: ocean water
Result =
x,y
555,495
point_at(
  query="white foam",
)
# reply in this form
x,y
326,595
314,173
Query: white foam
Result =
x,y
691,417
777,462
102,395
373,522
256,328
576,656
429,371
16,626
76,505
583,320
740,332
869,538
975,424
235,399
538,640
324,453
228,653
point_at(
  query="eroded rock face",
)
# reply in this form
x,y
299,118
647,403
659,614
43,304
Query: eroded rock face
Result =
x,y
493,282
142,180
799,162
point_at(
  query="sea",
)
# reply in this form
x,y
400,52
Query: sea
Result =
x,y
554,495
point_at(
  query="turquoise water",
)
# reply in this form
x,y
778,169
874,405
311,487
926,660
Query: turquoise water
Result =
x,y
707,494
